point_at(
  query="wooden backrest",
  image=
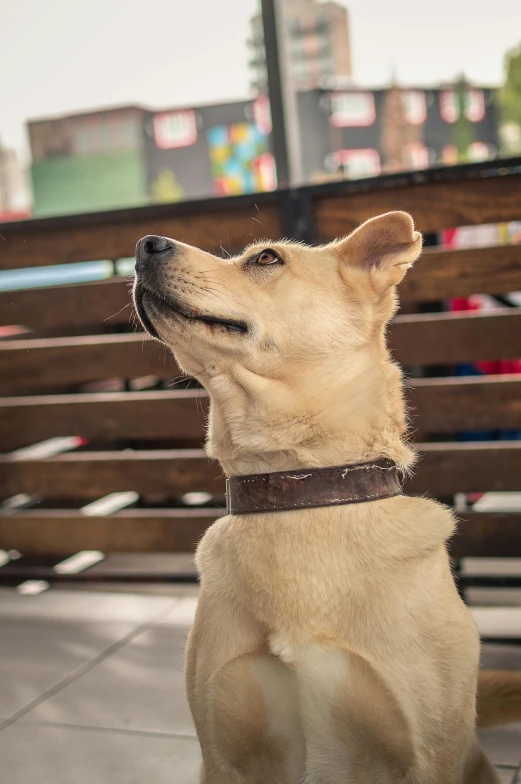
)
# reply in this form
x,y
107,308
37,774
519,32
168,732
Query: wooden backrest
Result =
x,y
150,440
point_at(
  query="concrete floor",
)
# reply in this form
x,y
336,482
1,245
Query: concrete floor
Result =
x,y
92,688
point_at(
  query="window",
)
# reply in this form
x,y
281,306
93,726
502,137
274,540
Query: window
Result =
x,y
449,154
415,106
355,163
175,129
352,109
474,105
478,151
262,114
267,172
417,156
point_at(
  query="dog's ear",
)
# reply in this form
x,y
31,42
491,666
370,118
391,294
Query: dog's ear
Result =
x,y
385,247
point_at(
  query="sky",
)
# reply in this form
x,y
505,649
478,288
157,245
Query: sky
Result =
x,y
60,56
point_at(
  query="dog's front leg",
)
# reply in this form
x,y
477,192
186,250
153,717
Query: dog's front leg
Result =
x,y
244,700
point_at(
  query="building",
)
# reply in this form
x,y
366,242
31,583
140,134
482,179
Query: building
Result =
x,y
355,132
87,162
213,150
133,156
317,45
130,156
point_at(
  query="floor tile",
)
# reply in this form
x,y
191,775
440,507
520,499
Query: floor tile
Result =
x,y
61,755
78,605
182,613
503,744
140,687
37,655
177,590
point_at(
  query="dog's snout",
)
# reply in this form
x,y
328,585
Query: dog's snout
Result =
x,y
153,246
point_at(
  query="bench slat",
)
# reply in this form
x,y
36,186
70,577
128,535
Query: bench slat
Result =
x,y
428,339
443,470
434,205
487,535
107,416
437,275
447,405
437,405
446,338
442,274
56,362
114,235
105,302
63,532
95,474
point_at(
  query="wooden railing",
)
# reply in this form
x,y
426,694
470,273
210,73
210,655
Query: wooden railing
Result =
x,y
143,435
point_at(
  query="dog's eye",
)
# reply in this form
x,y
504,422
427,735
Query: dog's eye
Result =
x,y
267,257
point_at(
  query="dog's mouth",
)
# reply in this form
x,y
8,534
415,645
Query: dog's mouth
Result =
x,y
187,312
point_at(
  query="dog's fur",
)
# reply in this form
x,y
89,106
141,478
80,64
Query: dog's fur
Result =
x,y
330,645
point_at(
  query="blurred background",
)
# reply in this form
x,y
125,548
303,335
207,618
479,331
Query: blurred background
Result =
x,y
106,105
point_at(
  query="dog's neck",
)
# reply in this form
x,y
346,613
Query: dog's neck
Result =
x,y
259,426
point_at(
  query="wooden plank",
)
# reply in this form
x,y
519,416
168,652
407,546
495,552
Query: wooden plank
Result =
x,y
55,362
441,274
433,205
425,339
107,416
66,531
231,223
446,338
106,302
63,532
447,405
94,474
437,275
437,405
443,470
487,535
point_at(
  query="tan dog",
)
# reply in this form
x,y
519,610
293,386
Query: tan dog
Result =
x,y
330,645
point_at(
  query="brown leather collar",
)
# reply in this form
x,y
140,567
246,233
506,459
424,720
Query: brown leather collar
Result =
x,y
312,487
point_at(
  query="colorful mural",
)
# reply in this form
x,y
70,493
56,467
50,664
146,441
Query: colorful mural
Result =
x,y
240,159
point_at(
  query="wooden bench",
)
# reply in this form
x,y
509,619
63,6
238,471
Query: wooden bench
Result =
x,y
80,370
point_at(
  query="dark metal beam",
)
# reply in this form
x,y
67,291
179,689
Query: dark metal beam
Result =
x,y
279,135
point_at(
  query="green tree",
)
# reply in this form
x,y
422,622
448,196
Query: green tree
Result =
x,y
462,130
510,93
510,104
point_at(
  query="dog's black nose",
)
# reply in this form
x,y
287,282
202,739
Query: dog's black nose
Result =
x,y
153,245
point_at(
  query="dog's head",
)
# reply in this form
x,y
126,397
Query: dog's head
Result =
x,y
282,321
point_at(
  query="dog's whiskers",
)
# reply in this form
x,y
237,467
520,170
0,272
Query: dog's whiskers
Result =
x,y
118,312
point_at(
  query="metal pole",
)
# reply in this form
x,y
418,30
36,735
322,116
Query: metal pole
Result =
x,y
286,140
